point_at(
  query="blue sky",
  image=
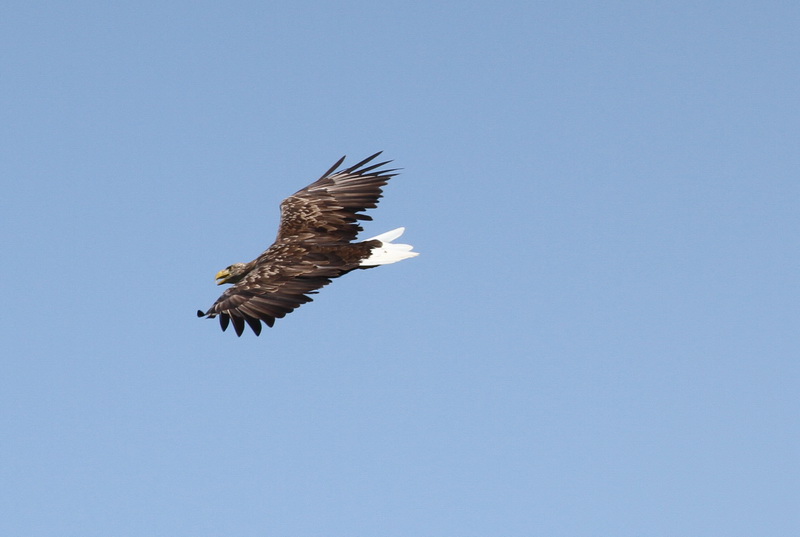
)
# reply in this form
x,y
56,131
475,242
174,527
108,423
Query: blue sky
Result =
x,y
600,336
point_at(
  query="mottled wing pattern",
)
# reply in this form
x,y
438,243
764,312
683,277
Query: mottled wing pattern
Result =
x,y
328,210
280,282
243,303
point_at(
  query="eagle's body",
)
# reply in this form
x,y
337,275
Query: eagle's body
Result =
x,y
315,244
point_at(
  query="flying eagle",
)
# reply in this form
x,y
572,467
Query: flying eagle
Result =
x,y
315,243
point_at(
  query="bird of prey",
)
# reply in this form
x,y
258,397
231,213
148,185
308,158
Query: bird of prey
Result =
x,y
316,242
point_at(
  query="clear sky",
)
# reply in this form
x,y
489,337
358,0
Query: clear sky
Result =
x,y
599,338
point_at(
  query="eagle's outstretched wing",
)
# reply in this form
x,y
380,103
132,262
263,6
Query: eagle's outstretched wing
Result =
x,y
252,305
281,281
328,210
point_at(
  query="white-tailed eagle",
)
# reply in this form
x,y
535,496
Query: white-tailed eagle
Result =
x,y
316,242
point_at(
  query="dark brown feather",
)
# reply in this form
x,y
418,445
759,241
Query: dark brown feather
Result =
x,y
255,324
238,324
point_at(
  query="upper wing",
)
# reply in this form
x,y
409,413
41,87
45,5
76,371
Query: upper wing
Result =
x,y
276,286
327,210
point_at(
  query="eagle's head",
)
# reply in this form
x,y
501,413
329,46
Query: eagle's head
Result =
x,y
233,273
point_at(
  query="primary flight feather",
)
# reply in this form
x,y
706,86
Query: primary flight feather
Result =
x,y
315,243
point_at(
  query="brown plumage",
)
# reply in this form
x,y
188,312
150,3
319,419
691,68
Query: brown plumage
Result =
x,y
314,245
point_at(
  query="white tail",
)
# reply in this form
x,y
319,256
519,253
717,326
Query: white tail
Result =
x,y
388,252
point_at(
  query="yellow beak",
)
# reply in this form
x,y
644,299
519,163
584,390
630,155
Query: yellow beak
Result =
x,y
222,276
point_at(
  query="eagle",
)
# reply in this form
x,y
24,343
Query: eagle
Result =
x,y
316,243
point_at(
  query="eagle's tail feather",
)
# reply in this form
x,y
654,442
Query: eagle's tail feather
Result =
x,y
388,252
